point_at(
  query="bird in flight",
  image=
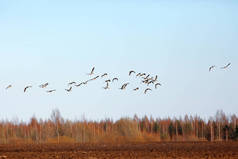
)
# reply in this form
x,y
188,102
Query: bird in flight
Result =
x,y
27,87
92,71
105,74
50,91
157,84
131,72
107,86
114,79
136,89
68,90
95,78
147,89
77,85
226,66
108,81
44,85
138,74
212,67
9,86
70,83
124,86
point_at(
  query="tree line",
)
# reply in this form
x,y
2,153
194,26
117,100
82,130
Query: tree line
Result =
x,y
56,129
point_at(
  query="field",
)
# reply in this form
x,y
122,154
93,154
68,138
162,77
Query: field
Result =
x,y
158,150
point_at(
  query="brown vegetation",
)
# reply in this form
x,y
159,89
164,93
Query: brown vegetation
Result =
x,y
58,130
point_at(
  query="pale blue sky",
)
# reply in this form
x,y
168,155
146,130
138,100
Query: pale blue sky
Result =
x,y
60,41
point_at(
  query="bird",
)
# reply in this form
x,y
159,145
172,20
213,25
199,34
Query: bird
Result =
x,y
226,66
85,82
131,72
50,91
77,85
157,84
107,86
44,85
105,74
108,81
136,89
212,67
27,87
95,78
150,83
114,79
138,74
147,89
147,76
143,74
92,71
156,77
9,86
70,83
124,86
68,90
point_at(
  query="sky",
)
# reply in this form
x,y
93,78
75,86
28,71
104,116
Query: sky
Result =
x,y
60,41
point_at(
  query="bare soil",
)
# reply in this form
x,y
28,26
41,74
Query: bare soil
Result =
x,y
150,150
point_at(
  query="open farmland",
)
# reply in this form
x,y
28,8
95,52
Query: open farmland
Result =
x,y
159,150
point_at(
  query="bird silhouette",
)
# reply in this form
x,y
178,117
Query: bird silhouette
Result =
x,y
131,72
136,89
124,86
78,85
44,85
114,79
107,86
95,78
212,67
50,91
9,86
138,74
92,71
105,74
147,89
108,81
68,90
27,87
226,66
71,83
157,84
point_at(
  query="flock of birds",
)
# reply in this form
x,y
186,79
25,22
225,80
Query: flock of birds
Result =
x,y
224,67
146,79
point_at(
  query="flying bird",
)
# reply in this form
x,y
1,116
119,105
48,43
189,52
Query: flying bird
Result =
x,y
27,87
212,67
77,85
147,89
131,72
92,71
68,90
70,83
114,79
50,91
105,74
157,84
9,86
44,85
138,74
156,77
226,66
136,89
147,76
95,78
107,86
124,86
108,81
